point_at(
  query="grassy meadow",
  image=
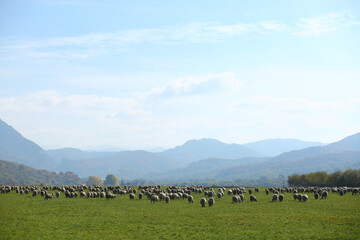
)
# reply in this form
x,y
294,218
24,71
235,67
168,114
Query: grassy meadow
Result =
x,y
27,217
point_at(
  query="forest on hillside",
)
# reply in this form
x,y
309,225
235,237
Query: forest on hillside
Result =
x,y
349,177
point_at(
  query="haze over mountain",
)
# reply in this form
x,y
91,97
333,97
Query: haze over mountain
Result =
x,y
274,147
335,156
125,164
58,155
14,147
194,150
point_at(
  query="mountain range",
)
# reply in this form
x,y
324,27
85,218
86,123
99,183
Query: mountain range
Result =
x,y
195,159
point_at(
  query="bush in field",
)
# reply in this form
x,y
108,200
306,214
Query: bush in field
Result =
x,y
92,180
111,180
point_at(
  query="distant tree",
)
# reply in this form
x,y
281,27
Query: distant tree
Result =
x,y
92,180
111,180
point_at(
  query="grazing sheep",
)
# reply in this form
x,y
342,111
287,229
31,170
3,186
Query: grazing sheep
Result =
x,y
211,201
253,198
34,193
132,196
203,202
57,194
250,191
295,196
48,196
267,191
236,199
316,195
102,195
167,199
220,195
154,198
281,197
341,193
324,194
230,192
190,199
275,197
140,196
305,197
242,197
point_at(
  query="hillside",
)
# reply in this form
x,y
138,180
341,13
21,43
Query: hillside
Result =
x,y
203,169
125,164
13,173
58,155
350,143
275,147
272,169
14,147
195,150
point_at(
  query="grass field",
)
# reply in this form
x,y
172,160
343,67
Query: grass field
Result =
x,y
27,217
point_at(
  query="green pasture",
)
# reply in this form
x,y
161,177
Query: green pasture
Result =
x,y
27,217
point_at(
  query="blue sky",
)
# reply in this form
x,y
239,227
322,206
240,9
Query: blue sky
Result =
x,y
143,74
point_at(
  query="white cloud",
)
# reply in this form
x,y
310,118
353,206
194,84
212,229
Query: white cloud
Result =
x,y
95,44
207,84
321,25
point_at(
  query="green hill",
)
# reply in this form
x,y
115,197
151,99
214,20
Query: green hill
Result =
x,y
14,173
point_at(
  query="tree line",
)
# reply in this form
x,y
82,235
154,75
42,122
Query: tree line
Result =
x,y
349,177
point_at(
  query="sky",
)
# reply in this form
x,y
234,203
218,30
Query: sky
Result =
x,y
145,74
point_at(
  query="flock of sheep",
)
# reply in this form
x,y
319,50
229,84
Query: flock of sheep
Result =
x,y
157,193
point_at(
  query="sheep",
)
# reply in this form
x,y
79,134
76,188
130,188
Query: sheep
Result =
x,y
110,195
131,196
211,201
154,198
253,198
305,198
57,194
34,193
167,199
281,197
190,199
140,196
267,191
48,196
102,195
82,194
236,199
316,195
257,189
324,194
220,195
230,192
275,197
241,197
295,196
203,202
250,191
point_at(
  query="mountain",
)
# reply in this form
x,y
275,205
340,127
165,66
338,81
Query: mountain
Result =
x,y
14,147
58,155
13,174
335,156
125,164
274,147
351,143
271,169
203,169
195,150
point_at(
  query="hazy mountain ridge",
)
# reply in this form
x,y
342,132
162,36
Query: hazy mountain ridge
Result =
x,y
217,160
195,150
275,147
14,147
326,162
125,164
